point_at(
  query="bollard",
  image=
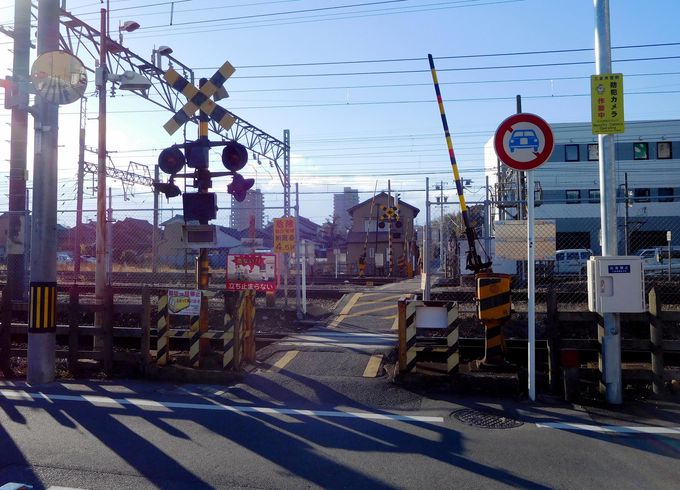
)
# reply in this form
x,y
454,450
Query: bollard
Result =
x,y
569,360
656,341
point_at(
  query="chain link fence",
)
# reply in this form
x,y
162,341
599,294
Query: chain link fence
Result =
x,y
562,253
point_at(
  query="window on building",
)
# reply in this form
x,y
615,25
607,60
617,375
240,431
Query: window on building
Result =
x,y
573,196
571,153
640,151
371,252
372,225
593,152
664,150
666,194
641,195
594,195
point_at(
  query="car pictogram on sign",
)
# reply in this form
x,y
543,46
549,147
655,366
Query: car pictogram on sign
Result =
x,y
523,138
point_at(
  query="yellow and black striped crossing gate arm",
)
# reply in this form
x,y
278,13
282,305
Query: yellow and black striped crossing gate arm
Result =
x,y
42,313
474,260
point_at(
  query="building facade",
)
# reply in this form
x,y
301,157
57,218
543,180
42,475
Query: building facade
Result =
x,y
341,204
647,168
251,208
372,242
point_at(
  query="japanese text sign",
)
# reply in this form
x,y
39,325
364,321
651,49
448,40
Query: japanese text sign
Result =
x,y
606,93
251,271
284,235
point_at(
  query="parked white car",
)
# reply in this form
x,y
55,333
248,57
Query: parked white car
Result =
x,y
572,260
659,263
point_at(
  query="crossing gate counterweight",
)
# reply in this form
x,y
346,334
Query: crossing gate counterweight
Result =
x,y
429,343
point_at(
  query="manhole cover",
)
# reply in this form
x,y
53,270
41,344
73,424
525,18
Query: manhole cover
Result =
x,y
484,420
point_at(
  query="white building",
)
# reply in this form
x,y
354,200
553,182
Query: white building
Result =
x,y
252,207
647,160
341,203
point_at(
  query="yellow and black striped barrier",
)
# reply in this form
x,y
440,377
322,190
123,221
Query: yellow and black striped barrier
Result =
x,y
493,309
432,354
42,317
238,336
162,326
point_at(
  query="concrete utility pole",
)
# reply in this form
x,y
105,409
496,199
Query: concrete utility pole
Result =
x,y
42,322
611,337
15,246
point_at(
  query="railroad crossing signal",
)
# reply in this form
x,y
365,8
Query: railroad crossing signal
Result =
x,y
390,214
199,98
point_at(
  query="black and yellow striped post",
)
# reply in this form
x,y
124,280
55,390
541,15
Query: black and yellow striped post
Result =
x,y
42,315
249,326
230,356
194,344
162,327
493,309
407,335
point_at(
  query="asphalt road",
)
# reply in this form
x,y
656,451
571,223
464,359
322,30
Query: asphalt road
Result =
x,y
315,412
277,430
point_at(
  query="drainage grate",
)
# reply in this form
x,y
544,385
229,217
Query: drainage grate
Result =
x,y
484,420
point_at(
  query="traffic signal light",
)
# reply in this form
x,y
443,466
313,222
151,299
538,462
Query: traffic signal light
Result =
x,y
239,187
171,160
234,156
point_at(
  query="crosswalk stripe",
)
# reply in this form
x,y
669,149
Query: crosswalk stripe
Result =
x,y
349,340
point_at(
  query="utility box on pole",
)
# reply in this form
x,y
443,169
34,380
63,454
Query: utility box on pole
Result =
x,y
616,284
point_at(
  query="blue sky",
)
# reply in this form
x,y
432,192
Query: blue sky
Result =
x,y
357,117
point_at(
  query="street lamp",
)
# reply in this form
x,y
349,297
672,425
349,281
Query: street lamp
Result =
x,y
127,26
157,54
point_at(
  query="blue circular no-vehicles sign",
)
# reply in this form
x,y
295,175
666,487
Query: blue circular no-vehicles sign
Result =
x,y
524,141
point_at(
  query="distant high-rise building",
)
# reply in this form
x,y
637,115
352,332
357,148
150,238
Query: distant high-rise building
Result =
x,y
252,206
341,203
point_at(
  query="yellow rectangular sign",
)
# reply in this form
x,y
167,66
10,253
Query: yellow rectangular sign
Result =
x,y
606,95
284,235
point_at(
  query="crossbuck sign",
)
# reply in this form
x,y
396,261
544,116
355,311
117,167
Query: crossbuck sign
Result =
x,y
199,98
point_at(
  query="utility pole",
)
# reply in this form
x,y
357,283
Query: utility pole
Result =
x,y
42,324
611,334
16,246
154,235
100,241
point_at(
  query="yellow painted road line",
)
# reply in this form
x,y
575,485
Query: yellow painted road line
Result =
x,y
377,297
352,301
373,366
343,313
374,310
283,362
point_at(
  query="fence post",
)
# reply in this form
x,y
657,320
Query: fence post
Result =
x,y
656,341
6,334
108,330
162,326
145,346
553,340
73,328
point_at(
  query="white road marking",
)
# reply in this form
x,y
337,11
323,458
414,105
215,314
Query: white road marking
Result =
x,y
618,429
349,340
139,402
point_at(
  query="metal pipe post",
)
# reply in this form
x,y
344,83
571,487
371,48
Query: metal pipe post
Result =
x,y
42,323
611,342
154,233
79,191
426,242
297,253
531,285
